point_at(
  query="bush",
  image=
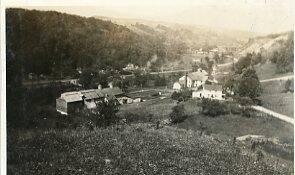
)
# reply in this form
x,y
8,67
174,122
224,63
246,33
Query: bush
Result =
x,y
182,96
135,118
213,108
248,112
235,109
244,101
175,95
177,115
288,86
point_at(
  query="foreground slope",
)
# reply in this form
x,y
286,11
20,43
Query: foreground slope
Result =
x,y
131,149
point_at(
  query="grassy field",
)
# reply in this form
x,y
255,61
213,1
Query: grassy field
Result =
x,y
274,99
151,110
227,125
267,71
230,126
131,149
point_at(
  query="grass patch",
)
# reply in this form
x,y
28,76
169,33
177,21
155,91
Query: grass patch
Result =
x,y
155,109
274,99
267,71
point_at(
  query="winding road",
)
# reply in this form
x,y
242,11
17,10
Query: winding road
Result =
x,y
278,78
274,114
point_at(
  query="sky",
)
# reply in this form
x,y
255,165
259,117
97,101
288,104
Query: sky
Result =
x,y
260,16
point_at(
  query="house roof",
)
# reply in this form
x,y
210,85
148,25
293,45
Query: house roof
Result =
x,y
72,96
181,82
198,76
213,87
91,94
112,91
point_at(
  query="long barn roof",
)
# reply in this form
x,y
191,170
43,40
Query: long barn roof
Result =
x,y
90,94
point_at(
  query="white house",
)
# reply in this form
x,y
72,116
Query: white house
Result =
x,y
192,80
209,91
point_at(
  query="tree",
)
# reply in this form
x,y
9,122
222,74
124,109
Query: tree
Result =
x,y
178,114
243,63
86,78
248,84
216,58
288,86
160,81
140,79
195,67
257,58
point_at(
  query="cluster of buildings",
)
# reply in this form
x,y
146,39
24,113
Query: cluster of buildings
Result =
x,y
201,84
73,102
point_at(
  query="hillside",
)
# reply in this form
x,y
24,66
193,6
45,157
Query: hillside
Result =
x,y
131,149
273,53
193,36
56,44
268,44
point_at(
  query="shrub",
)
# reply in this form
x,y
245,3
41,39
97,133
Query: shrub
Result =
x,y
213,108
177,115
133,117
244,101
288,86
248,112
182,96
235,109
175,95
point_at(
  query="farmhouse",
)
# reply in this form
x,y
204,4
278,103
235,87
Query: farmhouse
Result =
x,y
213,91
192,80
72,102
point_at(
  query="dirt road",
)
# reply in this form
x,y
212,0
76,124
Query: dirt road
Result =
x,y
274,114
278,78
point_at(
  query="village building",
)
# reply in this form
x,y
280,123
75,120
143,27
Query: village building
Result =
x,y
210,91
130,67
69,102
192,80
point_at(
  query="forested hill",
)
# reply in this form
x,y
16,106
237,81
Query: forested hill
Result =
x,y
53,43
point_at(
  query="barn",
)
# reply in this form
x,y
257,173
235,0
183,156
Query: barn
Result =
x,y
72,102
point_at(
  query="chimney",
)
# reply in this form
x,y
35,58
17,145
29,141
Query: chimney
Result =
x,y
185,81
99,87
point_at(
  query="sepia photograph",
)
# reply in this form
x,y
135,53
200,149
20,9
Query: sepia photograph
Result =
x,y
147,87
